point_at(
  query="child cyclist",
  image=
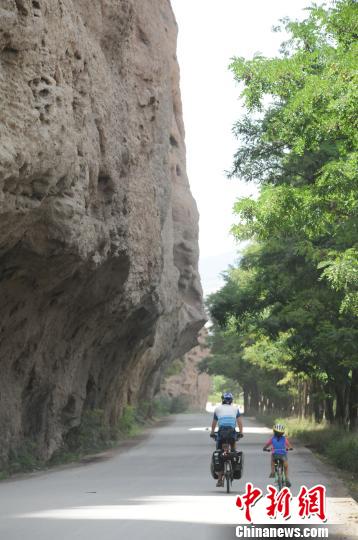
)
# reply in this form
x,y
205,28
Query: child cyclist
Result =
x,y
279,444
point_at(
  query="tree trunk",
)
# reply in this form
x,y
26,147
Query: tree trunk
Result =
x,y
328,409
246,400
255,397
317,401
342,397
306,400
353,402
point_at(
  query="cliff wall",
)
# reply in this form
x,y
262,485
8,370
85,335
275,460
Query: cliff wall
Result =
x,y
188,383
98,229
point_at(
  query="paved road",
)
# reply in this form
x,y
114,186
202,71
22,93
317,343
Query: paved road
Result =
x,y
159,488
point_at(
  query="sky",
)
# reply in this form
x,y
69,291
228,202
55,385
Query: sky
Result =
x,y
211,32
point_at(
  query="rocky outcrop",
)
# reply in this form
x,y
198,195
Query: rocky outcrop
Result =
x,y
98,229
189,384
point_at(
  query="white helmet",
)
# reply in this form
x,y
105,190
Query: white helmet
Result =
x,y
279,428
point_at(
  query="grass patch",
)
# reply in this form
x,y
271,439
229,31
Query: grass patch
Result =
x,y
25,458
337,446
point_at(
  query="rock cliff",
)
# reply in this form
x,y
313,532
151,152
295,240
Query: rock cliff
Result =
x,y
98,229
189,384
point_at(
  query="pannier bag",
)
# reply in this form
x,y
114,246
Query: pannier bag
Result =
x,y
217,463
238,464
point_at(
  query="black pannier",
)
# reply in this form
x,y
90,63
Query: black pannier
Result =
x,y
217,463
238,464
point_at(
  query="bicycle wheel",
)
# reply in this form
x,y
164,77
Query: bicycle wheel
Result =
x,y
228,482
279,478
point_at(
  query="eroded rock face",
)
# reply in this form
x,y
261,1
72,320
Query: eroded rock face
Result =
x,y
98,228
190,384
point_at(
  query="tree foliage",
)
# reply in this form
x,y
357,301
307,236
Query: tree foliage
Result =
x,y
292,304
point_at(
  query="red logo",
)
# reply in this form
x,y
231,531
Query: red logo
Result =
x,y
279,502
312,502
249,499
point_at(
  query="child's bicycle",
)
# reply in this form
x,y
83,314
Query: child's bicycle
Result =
x,y
280,475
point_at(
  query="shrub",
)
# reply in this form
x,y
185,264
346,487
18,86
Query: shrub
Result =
x,y
127,423
343,452
92,434
179,404
24,458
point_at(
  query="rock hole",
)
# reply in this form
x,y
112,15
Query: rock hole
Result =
x,y
21,8
173,141
178,170
23,168
125,205
105,187
44,92
34,82
70,407
36,5
10,50
10,185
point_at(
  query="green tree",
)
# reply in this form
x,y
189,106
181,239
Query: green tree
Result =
x,y
287,317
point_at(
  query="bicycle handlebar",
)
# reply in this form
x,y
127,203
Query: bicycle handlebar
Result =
x,y
237,434
268,449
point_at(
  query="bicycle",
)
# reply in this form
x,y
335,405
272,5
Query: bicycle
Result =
x,y
280,475
228,456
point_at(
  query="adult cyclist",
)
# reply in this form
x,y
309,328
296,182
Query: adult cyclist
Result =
x,y
227,417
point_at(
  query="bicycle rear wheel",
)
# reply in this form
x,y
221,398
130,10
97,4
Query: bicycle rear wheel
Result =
x,y
227,476
228,482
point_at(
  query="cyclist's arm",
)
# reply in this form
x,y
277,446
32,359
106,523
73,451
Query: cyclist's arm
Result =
x,y
288,445
239,424
214,423
239,421
268,444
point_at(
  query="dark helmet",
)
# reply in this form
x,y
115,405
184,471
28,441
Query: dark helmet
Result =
x,y
227,398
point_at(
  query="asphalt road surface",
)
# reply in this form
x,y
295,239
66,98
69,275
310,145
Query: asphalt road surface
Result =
x,y
158,487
